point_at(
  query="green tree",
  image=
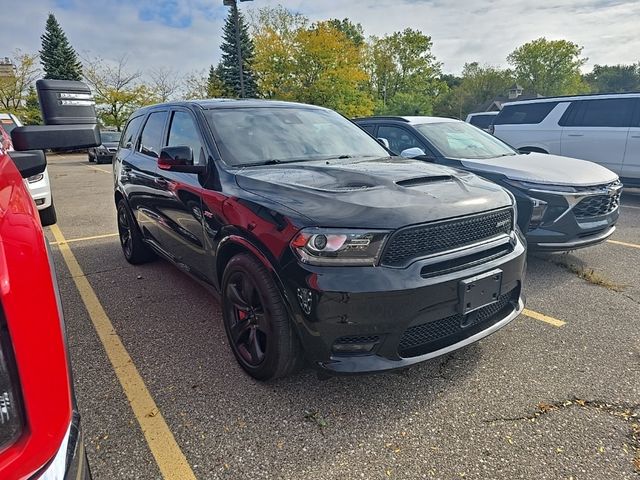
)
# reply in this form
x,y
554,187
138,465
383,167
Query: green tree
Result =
x,y
275,31
353,31
31,115
316,63
614,78
58,58
403,63
14,88
549,67
236,80
118,91
215,85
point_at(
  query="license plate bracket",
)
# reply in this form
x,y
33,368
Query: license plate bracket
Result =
x,y
479,291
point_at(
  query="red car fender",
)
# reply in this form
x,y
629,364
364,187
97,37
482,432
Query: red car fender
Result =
x,y
31,311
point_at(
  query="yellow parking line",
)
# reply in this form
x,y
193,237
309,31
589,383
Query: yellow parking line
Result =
x,y
82,239
543,318
98,169
170,459
626,244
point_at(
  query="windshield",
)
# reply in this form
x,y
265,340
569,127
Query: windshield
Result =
x,y
110,137
259,135
461,140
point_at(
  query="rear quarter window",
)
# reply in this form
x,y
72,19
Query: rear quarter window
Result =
x,y
603,112
482,121
525,113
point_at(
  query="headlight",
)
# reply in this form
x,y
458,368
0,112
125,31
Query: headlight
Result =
x,y
36,178
10,408
328,246
539,207
541,186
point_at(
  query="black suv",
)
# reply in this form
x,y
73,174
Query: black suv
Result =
x,y
320,243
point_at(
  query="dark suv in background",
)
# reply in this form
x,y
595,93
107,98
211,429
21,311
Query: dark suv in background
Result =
x,y
320,243
104,152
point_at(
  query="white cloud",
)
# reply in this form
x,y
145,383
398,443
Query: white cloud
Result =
x,y
462,30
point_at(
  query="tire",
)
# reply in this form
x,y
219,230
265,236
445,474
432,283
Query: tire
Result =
x,y
92,158
258,328
133,247
48,215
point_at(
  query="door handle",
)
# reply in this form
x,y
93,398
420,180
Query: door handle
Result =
x,y
635,136
576,135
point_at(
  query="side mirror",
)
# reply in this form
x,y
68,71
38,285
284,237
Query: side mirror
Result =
x,y
412,152
416,153
383,141
179,159
29,163
69,114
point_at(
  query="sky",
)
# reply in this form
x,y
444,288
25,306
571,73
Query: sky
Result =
x,y
185,34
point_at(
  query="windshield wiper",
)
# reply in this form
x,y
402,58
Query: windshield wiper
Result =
x,y
272,161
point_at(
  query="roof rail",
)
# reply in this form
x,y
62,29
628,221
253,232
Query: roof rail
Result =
x,y
383,117
573,96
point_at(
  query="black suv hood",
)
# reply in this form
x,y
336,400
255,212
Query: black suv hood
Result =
x,y
384,193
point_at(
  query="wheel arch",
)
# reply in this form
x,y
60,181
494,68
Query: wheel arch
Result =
x,y
234,244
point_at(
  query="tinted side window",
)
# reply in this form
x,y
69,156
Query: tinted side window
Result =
x,y
184,132
151,138
128,137
526,113
370,129
399,138
605,112
482,121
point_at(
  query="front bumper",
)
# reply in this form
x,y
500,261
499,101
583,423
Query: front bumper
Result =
x,y
104,157
41,191
70,463
407,314
561,229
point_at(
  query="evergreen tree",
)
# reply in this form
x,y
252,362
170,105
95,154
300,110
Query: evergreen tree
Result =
x,y
231,77
215,85
58,58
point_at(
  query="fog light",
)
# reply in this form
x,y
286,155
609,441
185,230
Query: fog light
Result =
x,y
355,344
537,213
40,201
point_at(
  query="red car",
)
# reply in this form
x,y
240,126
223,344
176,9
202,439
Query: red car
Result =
x,y
40,436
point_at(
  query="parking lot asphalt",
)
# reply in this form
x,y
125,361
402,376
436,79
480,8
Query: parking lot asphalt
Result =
x,y
534,400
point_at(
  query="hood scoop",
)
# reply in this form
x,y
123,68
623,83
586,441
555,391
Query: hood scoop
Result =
x,y
345,187
414,182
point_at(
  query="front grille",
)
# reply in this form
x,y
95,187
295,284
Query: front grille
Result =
x,y
422,240
596,205
357,339
431,336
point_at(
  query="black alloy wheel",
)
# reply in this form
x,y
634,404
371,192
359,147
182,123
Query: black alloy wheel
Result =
x,y
133,247
256,321
250,329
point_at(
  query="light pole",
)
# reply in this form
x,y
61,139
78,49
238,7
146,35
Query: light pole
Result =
x,y
234,11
